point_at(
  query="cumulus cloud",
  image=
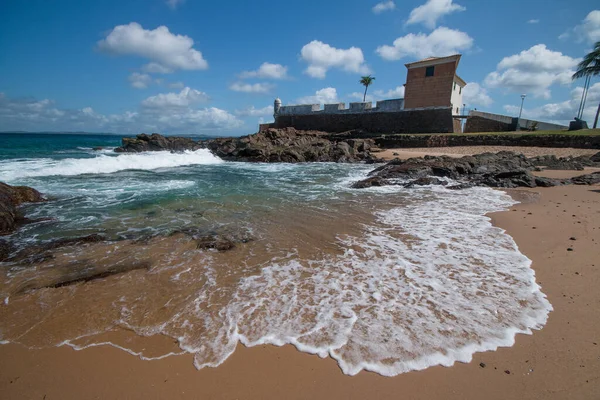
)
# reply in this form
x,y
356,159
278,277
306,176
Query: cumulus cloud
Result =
x,y
384,6
441,42
321,57
322,96
251,87
533,71
267,71
185,98
176,85
396,93
429,13
174,3
254,112
474,95
34,115
564,111
587,31
166,51
140,81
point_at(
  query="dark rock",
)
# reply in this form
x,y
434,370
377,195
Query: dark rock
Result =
x,y
292,146
595,158
11,197
5,250
482,365
156,142
425,181
588,179
500,170
43,251
98,148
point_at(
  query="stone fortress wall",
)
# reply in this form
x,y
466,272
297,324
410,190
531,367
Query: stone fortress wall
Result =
x,y
388,116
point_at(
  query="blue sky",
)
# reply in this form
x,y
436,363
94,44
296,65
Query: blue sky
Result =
x,y
191,66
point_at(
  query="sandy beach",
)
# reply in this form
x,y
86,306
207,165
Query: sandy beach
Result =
x,y
558,228
459,151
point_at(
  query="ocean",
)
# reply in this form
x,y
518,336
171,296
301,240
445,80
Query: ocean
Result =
x,y
387,279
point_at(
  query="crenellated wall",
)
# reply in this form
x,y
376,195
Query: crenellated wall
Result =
x,y
393,105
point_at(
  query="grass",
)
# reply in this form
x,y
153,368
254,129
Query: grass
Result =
x,y
583,132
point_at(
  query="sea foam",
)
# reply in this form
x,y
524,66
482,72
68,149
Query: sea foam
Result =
x,y
104,164
432,284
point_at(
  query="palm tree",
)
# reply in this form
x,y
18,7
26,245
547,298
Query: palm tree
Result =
x,y
366,81
588,67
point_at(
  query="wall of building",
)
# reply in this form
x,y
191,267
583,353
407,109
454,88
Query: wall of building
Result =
x,y
487,122
456,98
510,139
429,91
392,105
433,120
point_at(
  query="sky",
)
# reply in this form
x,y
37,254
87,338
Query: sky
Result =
x,y
215,67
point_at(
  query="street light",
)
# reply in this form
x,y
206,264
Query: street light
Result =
x,y
520,112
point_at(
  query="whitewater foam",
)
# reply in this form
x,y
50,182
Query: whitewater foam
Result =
x,y
104,164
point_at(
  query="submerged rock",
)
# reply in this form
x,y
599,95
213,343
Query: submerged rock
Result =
x,y
11,197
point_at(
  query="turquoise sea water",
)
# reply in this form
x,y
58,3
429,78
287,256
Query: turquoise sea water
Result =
x,y
385,279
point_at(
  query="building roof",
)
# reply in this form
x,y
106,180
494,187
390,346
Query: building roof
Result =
x,y
433,61
460,81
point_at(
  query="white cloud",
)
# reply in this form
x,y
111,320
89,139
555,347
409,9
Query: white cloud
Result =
x,y
321,57
533,71
323,96
587,31
268,71
254,112
176,85
384,6
533,21
397,93
251,87
33,115
441,42
564,111
429,13
174,3
476,96
185,98
140,81
166,51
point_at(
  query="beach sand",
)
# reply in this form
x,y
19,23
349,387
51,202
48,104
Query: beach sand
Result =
x,y
460,151
562,361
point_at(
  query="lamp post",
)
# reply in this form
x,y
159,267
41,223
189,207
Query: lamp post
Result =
x,y
520,112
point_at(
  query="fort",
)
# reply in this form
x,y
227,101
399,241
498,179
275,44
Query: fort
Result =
x,y
432,103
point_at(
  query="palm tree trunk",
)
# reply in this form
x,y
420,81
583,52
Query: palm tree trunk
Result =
x,y
597,114
365,96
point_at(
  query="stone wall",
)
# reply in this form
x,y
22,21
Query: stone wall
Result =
x,y
487,122
514,139
437,120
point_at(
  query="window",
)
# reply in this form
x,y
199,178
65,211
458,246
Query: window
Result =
x,y
460,91
457,111
429,71
454,86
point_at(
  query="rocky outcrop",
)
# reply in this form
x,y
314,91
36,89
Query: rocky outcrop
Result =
x,y
11,197
503,170
156,142
291,145
273,145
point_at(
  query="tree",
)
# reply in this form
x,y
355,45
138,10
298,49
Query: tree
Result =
x,y
590,66
366,81
587,68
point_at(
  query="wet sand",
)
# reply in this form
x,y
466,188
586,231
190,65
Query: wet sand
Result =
x,y
561,361
460,151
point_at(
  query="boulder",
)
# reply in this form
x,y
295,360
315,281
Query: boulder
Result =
x,y
157,142
11,197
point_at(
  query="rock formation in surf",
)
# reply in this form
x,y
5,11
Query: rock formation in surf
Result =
x,y
503,170
272,145
11,197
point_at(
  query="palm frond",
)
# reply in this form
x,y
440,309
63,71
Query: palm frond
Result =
x,y
590,65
